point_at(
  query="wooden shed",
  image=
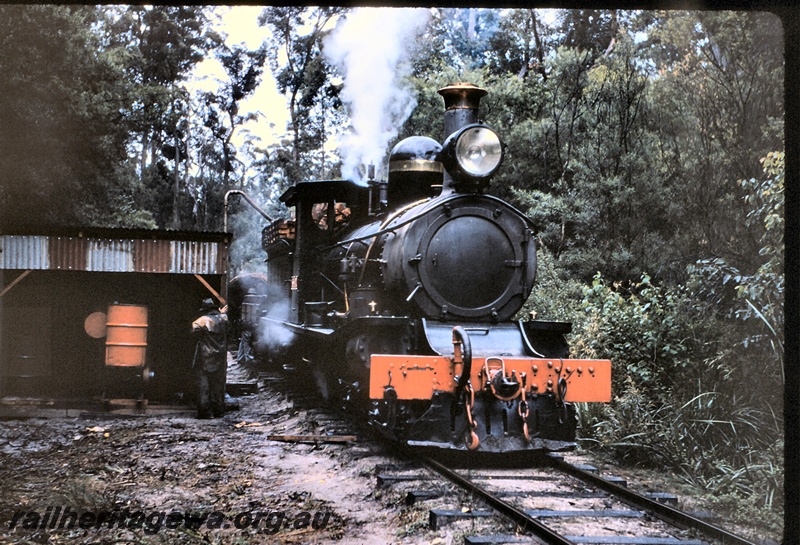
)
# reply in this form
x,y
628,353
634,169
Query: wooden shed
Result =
x,y
56,290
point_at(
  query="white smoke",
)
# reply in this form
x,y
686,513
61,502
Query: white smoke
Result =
x,y
273,335
369,48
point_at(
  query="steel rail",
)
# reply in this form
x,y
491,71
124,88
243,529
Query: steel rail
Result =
x,y
517,516
664,512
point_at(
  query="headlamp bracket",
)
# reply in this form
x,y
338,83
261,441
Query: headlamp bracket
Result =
x,y
474,181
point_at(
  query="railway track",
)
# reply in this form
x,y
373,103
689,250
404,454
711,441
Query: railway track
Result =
x,y
556,503
549,501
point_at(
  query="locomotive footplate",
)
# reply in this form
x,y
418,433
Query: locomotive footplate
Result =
x,y
489,403
419,377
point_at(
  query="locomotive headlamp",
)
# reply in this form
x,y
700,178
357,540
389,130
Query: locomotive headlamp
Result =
x,y
473,152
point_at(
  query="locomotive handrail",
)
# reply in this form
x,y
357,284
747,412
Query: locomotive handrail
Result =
x,y
389,218
461,339
383,231
462,353
332,283
376,233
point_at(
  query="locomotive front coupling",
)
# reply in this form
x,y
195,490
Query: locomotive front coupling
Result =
x,y
495,402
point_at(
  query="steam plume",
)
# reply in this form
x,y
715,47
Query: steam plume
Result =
x,y
273,335
368,48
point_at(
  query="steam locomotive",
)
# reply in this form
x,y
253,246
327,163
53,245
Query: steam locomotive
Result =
x,y
399,299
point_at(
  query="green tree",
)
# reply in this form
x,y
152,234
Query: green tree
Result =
x,y
610,133
162,44
294,53
465,35
755,299
63,122
719,91
243,69
589,130
521,45
686,395
590,30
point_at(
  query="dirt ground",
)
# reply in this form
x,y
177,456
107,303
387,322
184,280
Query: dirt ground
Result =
x,y
175,479
159,476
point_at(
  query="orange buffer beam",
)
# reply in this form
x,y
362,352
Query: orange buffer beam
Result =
x,y
418,377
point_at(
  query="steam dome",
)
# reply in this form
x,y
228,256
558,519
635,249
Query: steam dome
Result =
x,y
415,171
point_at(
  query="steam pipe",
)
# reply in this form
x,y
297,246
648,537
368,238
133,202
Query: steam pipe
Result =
x,y
250,201
371,184
376,203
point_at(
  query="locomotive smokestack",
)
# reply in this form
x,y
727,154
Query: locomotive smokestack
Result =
x,y
461,101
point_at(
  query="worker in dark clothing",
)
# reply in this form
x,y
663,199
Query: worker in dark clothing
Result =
x,y
211,359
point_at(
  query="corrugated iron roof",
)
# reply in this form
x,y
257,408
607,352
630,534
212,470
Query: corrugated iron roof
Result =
x,y
117,250
122,233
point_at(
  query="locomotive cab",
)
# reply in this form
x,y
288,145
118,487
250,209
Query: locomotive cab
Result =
x,y
324,210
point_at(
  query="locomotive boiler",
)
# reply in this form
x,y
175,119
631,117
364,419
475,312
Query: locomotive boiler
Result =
x,y
399,298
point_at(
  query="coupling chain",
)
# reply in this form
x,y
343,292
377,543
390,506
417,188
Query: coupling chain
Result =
x,y
469,403
522,407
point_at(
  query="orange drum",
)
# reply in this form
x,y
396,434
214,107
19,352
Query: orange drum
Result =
x,y
126,335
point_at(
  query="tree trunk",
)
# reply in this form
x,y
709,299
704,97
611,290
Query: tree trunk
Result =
x,y
539,47
143,162
176,185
